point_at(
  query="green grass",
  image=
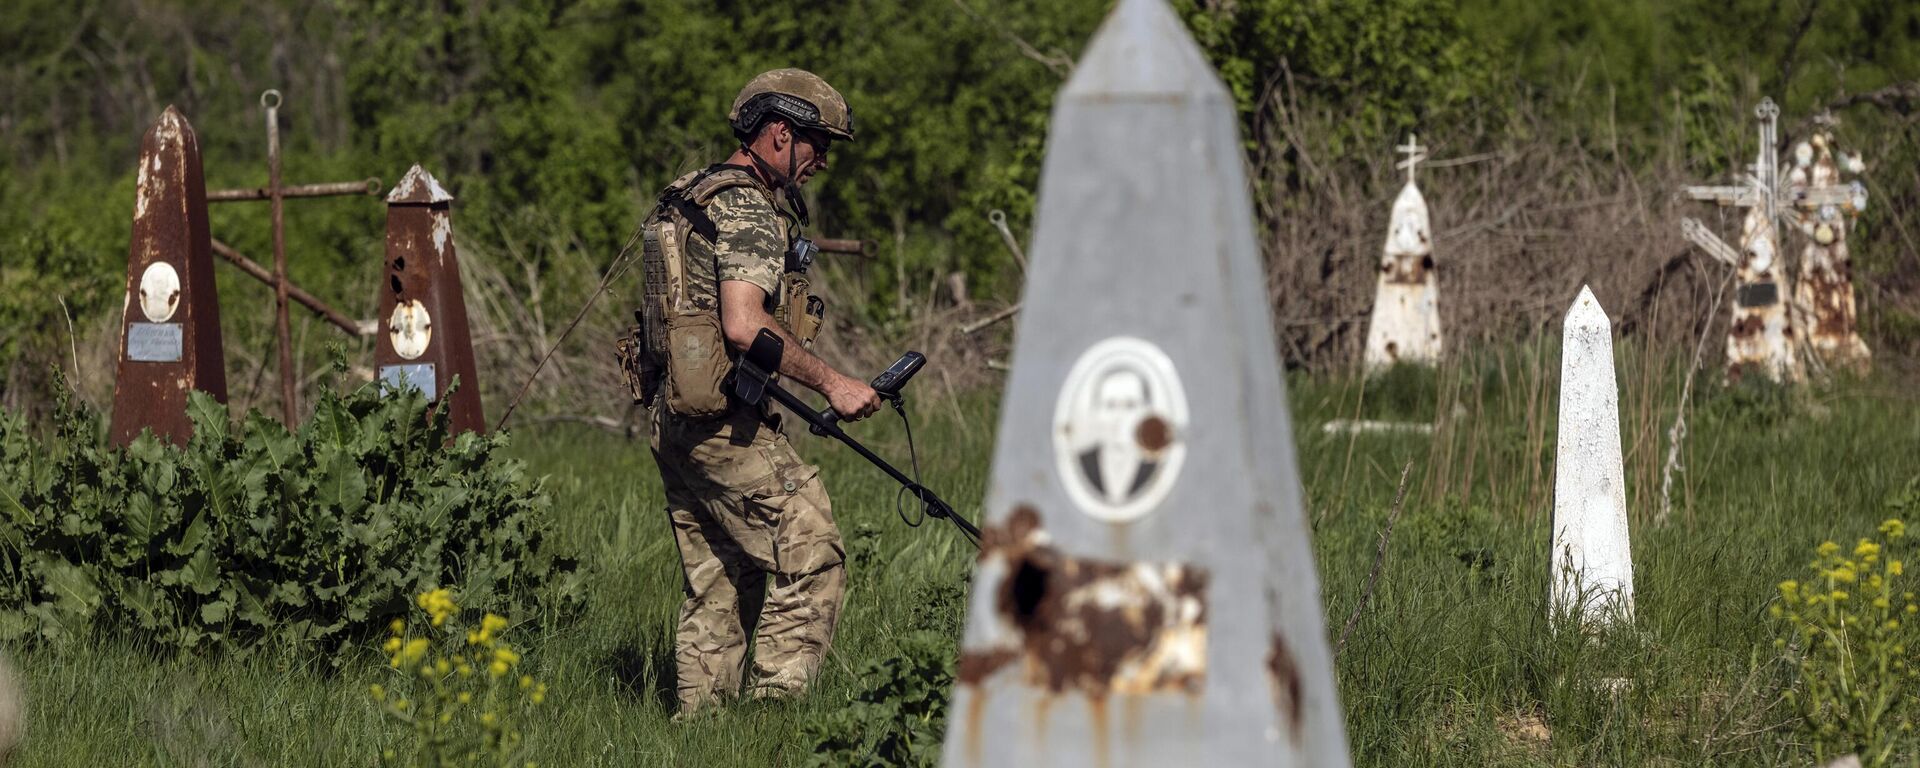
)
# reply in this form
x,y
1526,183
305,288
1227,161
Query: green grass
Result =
x,y
1451,663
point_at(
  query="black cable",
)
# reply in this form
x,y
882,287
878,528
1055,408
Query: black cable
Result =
x,y
913,457
926,497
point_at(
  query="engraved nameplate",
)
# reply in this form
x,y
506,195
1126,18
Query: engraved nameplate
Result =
x,y
155,342
1759,294
415,375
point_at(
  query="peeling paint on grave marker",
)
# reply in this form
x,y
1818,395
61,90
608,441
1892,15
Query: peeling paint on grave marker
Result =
x,y
1405,326
170,326
1823,296
1592,575
1760,332
1146,593
423,340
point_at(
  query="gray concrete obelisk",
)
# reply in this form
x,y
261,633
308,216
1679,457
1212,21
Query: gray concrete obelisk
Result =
x,y
1592,561
1146,593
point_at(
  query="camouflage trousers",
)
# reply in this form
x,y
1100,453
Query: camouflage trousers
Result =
x,y
759,550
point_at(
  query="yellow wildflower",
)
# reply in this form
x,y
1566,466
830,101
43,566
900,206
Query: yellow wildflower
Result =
x,y
1894,567
379,693
466,697
1828,549
398,626
392,646
439,604
411,652
1893,528
1866,550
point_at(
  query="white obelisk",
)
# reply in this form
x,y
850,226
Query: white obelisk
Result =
x,y
1146,593
1405,326
1592,561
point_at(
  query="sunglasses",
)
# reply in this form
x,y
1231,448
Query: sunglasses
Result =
x,y
820,141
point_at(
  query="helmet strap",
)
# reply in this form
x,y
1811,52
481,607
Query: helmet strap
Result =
x,y
785,182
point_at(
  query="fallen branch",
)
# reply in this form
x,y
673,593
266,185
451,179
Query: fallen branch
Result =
x,y
975,327
1379,560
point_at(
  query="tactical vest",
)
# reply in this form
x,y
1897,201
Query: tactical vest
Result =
x,y
678,342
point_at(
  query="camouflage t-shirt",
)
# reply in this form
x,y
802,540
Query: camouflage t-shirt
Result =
x,y
752,245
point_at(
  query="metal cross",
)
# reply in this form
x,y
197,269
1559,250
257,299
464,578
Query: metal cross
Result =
x,y
1415,155
1762,187
283,289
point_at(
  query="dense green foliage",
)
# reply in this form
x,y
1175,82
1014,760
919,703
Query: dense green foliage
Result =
x,y
555,121
255,536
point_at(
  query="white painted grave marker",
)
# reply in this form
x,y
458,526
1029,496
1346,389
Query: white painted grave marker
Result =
x,y
1592,562
1405,326
1146,593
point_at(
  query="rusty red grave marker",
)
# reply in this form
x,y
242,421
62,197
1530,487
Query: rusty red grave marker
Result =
x,y
424,341
170,325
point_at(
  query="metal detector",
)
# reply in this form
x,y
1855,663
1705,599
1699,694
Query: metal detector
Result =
x,y
753,382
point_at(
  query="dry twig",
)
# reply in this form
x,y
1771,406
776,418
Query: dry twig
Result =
x,y
1379,561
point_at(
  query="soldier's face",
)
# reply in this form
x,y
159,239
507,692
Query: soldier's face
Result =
x,y
810,153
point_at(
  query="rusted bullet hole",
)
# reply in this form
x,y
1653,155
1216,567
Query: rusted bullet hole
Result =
x,y
1426,262
1029,588
1153,434
395,279
399,262
1284,674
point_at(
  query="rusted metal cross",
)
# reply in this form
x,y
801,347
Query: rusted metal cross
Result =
x,y
1762,329
283,289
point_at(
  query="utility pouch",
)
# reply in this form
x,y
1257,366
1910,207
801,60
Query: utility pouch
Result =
x,y
643,378
697,364
803,312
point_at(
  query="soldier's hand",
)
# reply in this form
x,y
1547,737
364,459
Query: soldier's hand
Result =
x,y
852,398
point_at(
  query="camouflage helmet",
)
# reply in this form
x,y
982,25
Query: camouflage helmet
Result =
x,y
793,94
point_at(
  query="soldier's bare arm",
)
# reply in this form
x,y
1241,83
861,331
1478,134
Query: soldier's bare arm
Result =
x,y
743,314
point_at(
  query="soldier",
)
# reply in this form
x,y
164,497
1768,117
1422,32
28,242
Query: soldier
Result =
x,y
723,260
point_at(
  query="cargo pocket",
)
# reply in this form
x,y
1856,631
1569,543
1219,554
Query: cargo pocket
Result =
x,y
789,472
803,536
697,364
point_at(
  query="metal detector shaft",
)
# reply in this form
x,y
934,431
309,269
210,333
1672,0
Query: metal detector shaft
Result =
x,y
935,505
